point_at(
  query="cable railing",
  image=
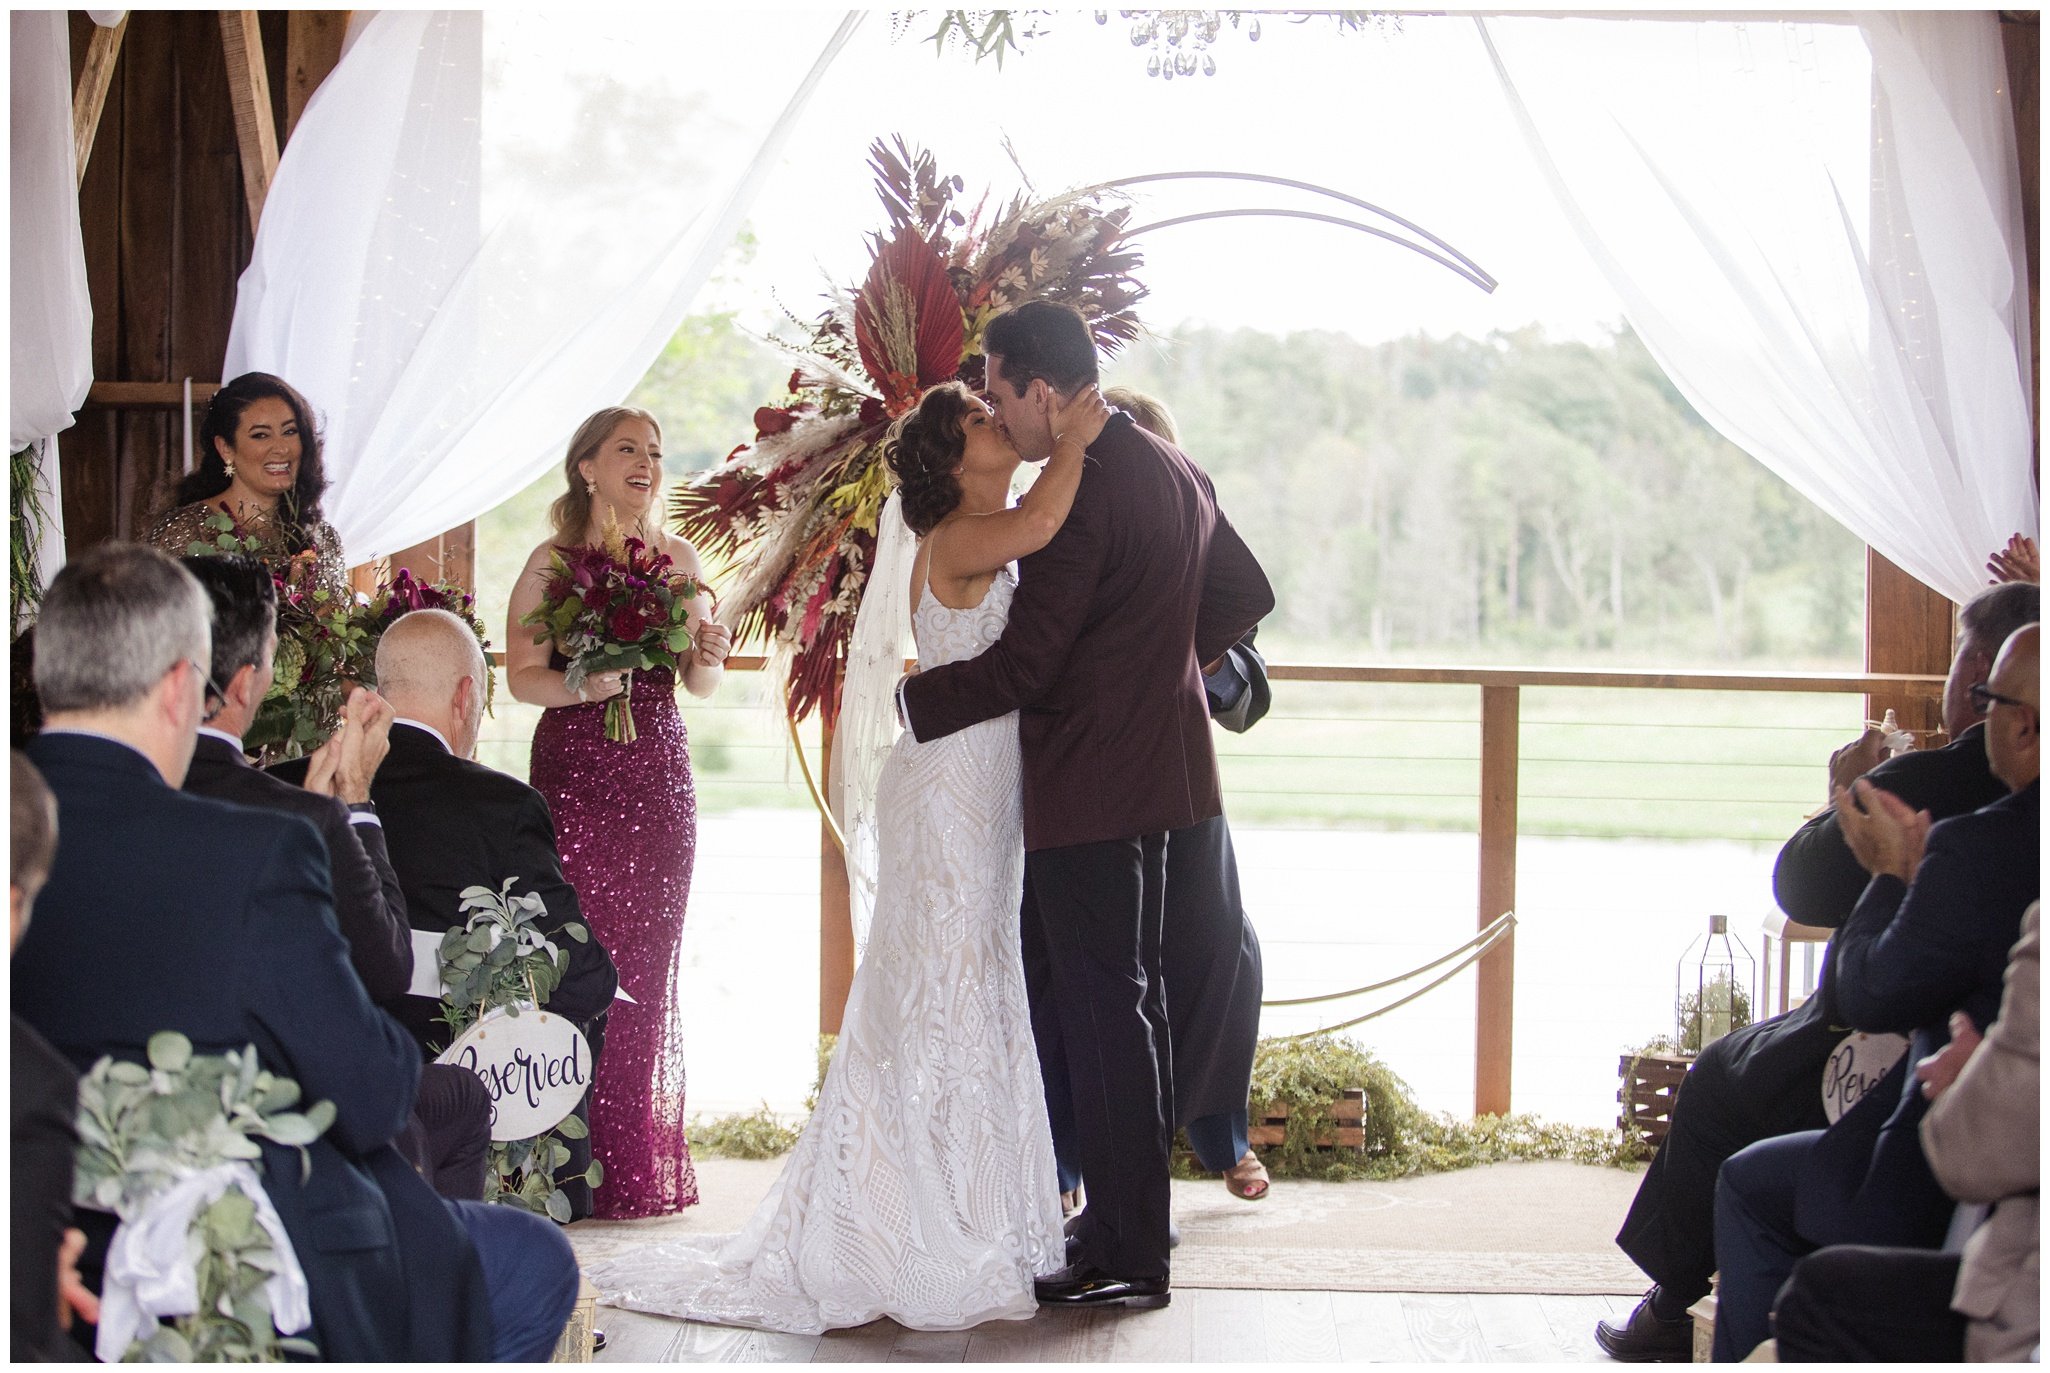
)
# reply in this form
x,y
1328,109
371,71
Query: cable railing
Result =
x,y
1500,753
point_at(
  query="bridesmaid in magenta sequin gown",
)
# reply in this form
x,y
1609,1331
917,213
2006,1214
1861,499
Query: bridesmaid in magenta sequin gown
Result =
x,y
625,818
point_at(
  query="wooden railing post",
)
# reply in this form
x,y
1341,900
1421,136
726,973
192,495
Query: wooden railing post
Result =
x,y
1495,992
836,908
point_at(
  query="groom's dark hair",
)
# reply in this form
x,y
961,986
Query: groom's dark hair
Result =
x,y
1044,340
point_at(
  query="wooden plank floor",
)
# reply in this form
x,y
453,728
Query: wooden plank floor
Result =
x,y
1204,1325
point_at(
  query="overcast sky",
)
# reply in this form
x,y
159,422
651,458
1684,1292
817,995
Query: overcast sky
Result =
x,y
1408,117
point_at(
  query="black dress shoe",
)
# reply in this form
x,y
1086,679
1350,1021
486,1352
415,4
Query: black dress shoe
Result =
x,y
1082,1285
1647,1337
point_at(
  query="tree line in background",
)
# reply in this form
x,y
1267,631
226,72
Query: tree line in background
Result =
x,y
1507,498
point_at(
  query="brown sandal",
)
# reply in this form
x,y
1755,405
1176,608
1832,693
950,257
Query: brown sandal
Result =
x,y
1247,1179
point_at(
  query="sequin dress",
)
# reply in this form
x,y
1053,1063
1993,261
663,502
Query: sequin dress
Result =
x,y
176,531
923,1187
626,820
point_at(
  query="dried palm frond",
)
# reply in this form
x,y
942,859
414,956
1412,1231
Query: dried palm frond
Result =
x,y
793,513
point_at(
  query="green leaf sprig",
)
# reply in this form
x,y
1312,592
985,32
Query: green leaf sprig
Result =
x,y
143,1128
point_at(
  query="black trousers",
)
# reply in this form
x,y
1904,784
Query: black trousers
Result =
x,y
1091,932
1755,1083
450,1132
1855,1302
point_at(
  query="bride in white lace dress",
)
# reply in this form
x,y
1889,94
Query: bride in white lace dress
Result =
x,y
923,1187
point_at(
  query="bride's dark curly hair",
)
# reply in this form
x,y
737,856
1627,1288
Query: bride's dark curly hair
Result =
x,y
924,449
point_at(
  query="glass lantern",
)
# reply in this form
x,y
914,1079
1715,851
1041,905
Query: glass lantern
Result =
x,y
1714,989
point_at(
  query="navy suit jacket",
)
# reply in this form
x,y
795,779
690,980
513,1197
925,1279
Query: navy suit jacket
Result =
x,y
166,911
1908,956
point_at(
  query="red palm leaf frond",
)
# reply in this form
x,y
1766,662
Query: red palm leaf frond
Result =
x,y
907,321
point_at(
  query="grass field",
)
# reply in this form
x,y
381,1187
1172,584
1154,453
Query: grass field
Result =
x,y
1595,763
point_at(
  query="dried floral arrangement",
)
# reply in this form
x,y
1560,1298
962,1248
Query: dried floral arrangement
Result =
x,y
794,512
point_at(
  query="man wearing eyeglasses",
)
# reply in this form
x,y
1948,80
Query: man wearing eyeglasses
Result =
x,y
1765,1079
1929,937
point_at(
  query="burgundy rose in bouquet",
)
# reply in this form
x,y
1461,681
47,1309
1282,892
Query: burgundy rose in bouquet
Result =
x,y
615,609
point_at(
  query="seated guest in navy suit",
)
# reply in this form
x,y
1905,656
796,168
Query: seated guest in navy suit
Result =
x,y
1982,1135
43,1092
453,823
1929,937
165,911
1762,1080
449,1136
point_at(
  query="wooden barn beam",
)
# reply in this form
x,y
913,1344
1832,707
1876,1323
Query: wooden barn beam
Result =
x,y
313,45
93,84
249,93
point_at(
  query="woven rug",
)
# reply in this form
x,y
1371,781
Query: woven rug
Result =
x,y
1509,1227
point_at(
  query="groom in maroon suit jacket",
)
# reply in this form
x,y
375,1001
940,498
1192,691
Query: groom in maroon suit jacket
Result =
x,y
1102,658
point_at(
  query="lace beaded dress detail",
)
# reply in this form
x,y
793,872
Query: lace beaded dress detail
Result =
x,y
923,1188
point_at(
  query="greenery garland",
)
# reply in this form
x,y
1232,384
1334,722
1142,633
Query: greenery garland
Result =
x,y
27,519
1305,1076
499,959
143,1129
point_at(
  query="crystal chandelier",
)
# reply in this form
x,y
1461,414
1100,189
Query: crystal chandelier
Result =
x,y
1180,39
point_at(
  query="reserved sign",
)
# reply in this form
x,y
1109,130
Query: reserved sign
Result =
x,y
1855,1069
536,1066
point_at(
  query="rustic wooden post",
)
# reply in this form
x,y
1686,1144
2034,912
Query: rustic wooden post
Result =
x,y
313,45
450,556
1907,629
249,93
94,82
1495,992
836,905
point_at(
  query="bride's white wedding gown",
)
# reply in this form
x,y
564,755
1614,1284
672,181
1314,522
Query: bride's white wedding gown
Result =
x,y
923,1188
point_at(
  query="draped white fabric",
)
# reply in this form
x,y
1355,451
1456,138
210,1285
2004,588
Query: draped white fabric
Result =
x,y
452,334
51,321
1858,325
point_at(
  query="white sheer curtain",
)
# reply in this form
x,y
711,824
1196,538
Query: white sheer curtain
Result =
x,y
455,313
51,320
1816,229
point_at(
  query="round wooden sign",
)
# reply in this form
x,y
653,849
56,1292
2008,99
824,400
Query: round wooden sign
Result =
x,y
536,1066
1855,1068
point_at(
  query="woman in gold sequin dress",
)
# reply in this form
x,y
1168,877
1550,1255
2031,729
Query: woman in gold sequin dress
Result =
x,y
259,465
626,815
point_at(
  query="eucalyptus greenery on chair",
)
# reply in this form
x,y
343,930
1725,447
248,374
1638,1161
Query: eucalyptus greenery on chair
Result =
x,y
500,959
144,1131
26,521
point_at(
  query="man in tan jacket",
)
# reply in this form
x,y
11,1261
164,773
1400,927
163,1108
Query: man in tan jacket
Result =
x,y
1981,1136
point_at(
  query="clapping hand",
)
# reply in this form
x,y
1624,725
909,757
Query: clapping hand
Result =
x,y
1937,1072
72,1293
2018,562
1885,834
1854,760
344,766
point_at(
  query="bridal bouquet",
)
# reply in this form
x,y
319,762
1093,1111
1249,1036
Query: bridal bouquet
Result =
x,y
615,608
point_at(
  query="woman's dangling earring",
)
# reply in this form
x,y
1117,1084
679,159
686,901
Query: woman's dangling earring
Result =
x,y
229,468
590,488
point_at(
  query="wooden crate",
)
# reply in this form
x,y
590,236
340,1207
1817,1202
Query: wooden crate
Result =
x,y
1348,1129
1647,1094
